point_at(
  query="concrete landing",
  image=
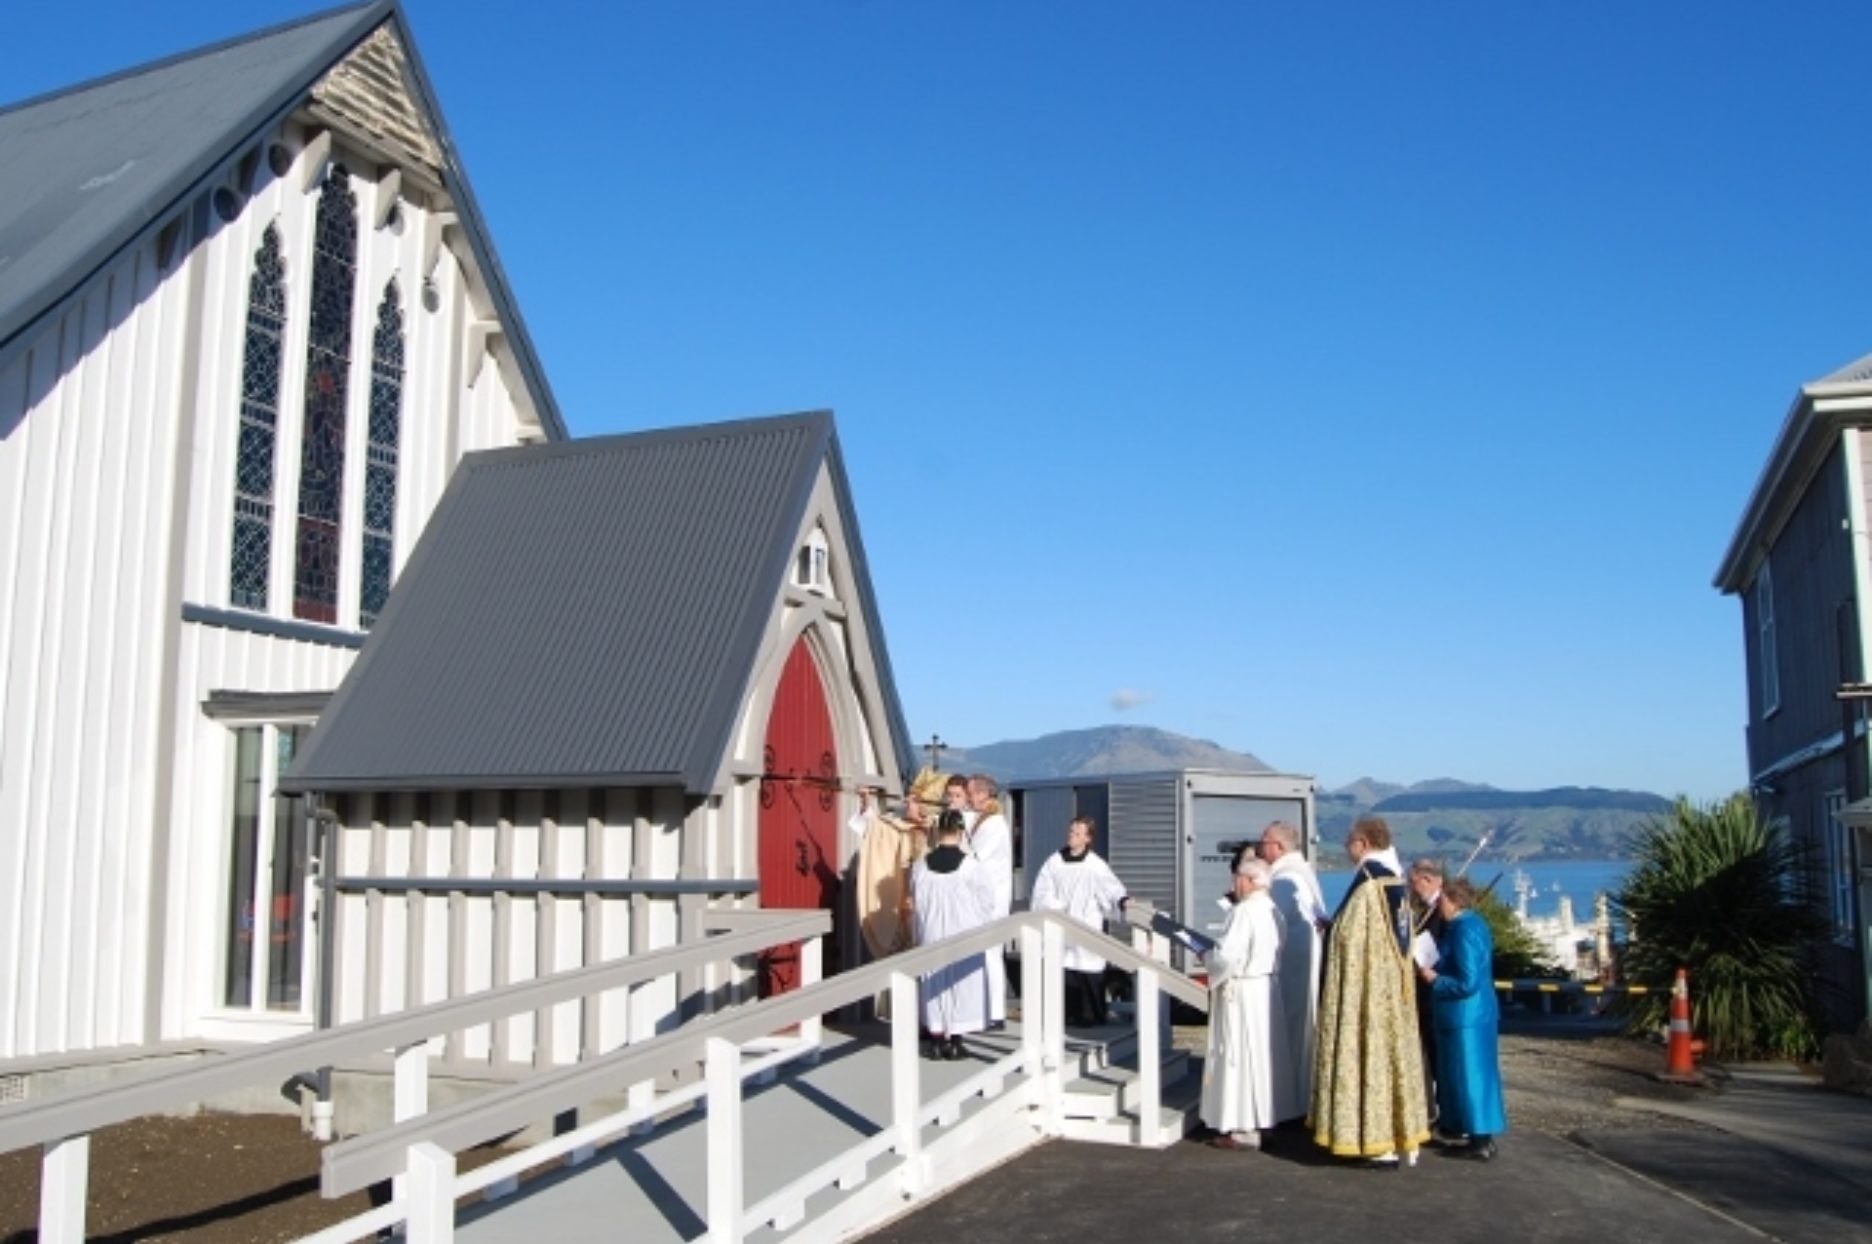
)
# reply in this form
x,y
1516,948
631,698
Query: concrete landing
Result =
x,y
653,1189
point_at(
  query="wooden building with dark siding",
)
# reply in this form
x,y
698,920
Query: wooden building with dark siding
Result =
x,y
1801,564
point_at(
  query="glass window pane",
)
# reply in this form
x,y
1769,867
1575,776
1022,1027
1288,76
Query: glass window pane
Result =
x,y
328,368
286,892
251,560
380,477
245,843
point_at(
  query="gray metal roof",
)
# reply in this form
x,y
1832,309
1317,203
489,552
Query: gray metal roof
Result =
x,y
89,168
587,613
1860,369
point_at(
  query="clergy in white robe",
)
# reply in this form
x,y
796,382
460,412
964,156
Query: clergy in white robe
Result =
x,y
1296,892
952,897
992,844
1076,882
1247,1081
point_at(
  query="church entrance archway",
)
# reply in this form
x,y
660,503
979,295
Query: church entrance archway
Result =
x,y
799,799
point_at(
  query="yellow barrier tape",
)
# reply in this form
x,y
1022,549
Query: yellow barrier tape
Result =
x,y
1569,987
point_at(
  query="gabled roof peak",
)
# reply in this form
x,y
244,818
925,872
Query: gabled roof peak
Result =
x,y
93,168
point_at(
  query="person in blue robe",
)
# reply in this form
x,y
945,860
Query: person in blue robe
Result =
x,y
1466,1016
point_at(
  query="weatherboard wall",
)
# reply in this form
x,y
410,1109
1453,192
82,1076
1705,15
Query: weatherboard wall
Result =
x,y
1816,633
118,426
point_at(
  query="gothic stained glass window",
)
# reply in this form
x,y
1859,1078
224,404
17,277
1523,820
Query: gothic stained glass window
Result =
x,y
252,555
328,362
380,464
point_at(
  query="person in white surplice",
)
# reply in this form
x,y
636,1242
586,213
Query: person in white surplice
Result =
x,y
1074,880
992,843
1247,1080
952,897
1296,892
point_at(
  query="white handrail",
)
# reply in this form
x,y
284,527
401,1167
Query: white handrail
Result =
x,y
384,1154
62,1125
168,1089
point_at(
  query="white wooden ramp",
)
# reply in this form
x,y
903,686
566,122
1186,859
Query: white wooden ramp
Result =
x,y
655,1188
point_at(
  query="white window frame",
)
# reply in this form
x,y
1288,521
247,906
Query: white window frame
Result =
x,y
1842,876
813,567
258,887
1767,658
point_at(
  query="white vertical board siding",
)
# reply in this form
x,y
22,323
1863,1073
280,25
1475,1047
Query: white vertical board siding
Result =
x,y
90,415
483,948
87,428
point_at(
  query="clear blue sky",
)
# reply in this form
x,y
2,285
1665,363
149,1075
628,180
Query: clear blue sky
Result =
x,y
1372,387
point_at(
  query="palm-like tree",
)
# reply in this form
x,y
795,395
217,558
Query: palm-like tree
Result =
x,y
1719,892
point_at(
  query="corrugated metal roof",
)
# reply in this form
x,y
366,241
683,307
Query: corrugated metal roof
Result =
x,y
584,614
89,168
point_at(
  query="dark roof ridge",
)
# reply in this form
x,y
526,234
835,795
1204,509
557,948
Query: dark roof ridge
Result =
x,y
725,429
189,54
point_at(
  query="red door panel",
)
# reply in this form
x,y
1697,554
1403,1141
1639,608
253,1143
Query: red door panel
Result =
x,y
798,830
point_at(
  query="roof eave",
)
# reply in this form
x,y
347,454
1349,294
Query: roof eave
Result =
x,y
1819,412
480,241
297,784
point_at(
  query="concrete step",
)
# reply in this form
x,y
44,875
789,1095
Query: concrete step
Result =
x,y
1176,1116
1107,1092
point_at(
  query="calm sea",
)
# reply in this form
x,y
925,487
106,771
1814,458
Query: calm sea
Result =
x,y
1582,879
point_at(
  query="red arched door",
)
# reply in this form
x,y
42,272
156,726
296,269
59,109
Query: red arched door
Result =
x,y
798,846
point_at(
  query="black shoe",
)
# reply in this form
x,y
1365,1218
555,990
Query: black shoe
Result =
x,y
1479,1150
952,1050
998,1025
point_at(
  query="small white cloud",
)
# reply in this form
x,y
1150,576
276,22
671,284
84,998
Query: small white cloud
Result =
x,y
1125,699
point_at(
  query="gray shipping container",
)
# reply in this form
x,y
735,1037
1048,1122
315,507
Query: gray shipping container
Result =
x,y
1169,836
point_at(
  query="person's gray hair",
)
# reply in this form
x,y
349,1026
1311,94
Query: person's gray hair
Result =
x,y
1256,871
1427,867
1283,833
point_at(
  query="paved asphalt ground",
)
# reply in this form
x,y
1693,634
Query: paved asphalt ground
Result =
x,y
1776,1159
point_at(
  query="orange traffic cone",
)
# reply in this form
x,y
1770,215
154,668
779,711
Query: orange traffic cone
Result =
x,y
1680,1060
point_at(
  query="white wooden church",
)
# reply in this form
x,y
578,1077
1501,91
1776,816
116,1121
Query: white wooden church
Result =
x,y
254,342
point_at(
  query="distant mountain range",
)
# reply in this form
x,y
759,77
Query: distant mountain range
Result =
x,y
1102,749
1442,816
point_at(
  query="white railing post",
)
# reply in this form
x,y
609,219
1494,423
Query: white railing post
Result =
x,y
409,1092
64,1171
812,971
410,1088
1033,1004
906,1077
1150,1058
430,1190
1053,1013
723,1073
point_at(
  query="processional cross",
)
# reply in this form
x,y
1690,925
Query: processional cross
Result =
x,y
935,749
